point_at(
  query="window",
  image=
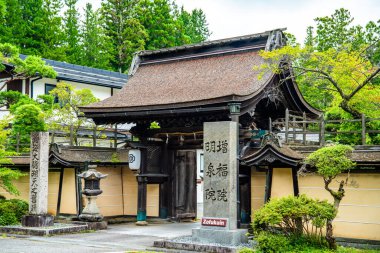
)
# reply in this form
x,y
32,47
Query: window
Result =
x,y
48,88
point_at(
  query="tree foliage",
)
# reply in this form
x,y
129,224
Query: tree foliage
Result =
x,y
95,43
345,76
281,220
17,68
72,35
330,162
105,38
68,114
7,175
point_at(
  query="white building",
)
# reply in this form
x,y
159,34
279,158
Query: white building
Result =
x,y
102,83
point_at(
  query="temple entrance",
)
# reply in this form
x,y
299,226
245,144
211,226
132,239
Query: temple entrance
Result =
x,y
185,185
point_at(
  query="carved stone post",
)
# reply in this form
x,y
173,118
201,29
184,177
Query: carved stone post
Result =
x,y
38,193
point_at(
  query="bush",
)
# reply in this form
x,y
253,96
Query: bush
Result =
x,y
270,242
11,211
292,224
246,250
294,216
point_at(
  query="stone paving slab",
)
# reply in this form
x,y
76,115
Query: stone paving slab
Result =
x,y
117,238
44,231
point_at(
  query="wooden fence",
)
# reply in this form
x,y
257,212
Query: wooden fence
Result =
x,y
90,137
297,129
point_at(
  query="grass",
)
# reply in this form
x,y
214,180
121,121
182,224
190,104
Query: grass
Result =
x,y
340,250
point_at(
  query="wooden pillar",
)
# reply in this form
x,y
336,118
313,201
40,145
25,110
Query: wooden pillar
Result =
x,y
322,131
61,174
295,182
286,125
141,201
164,192
268,185
142,191
363,130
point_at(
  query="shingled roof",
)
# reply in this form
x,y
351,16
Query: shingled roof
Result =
x,y
225,76
192,75
198,78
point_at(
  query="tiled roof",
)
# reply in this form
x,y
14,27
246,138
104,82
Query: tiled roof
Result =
x,y
81,74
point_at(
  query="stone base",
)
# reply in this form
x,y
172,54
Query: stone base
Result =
x,y
37,220
97,225
220,236
91,217
141,223
44,231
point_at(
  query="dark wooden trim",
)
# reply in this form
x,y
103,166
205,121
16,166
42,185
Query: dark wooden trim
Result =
x,y
268,185
78,190
77,197
60,191
295,181
142,187
122,188
27,88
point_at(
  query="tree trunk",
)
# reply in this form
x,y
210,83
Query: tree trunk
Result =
x,y
355,113
329,235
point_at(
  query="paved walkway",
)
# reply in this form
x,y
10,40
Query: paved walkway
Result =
x,y
117,238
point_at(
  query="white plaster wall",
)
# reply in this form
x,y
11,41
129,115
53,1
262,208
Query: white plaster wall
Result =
x,y
98,91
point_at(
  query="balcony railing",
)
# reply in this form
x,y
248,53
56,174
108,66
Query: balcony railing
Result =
x,y
84,136
297,129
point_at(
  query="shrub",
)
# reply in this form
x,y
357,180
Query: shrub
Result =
x,y
11,211
246,250
270,242
292,221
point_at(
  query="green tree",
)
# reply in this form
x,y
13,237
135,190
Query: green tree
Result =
x,y
125,31
158,19
347,75
51,34
68,115
16,68
96,44
28,118
72,34
192,27
34,26
7,175
330,162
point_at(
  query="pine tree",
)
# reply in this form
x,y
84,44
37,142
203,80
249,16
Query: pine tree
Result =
x,y
51,31
309,40
72,36
158,19
193,27
96,49
124,29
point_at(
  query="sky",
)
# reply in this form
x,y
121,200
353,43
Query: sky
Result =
x,y
229,18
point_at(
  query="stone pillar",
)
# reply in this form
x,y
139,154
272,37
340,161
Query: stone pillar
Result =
x,y
38,193
219,222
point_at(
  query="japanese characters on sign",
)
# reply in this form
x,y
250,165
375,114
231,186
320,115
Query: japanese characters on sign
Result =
x,y
220,174
34,174
216,146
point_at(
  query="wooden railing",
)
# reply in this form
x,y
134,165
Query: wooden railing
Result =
x,y
298,129
89,137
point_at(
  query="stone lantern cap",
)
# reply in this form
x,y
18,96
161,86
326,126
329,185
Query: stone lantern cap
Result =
x,y
92,174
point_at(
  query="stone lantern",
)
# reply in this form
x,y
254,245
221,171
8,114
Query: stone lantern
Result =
x,y
91,191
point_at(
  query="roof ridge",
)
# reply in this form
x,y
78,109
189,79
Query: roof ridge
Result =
x,y
207,43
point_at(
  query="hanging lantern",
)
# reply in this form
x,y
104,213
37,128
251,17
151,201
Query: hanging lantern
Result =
x,y
134,159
